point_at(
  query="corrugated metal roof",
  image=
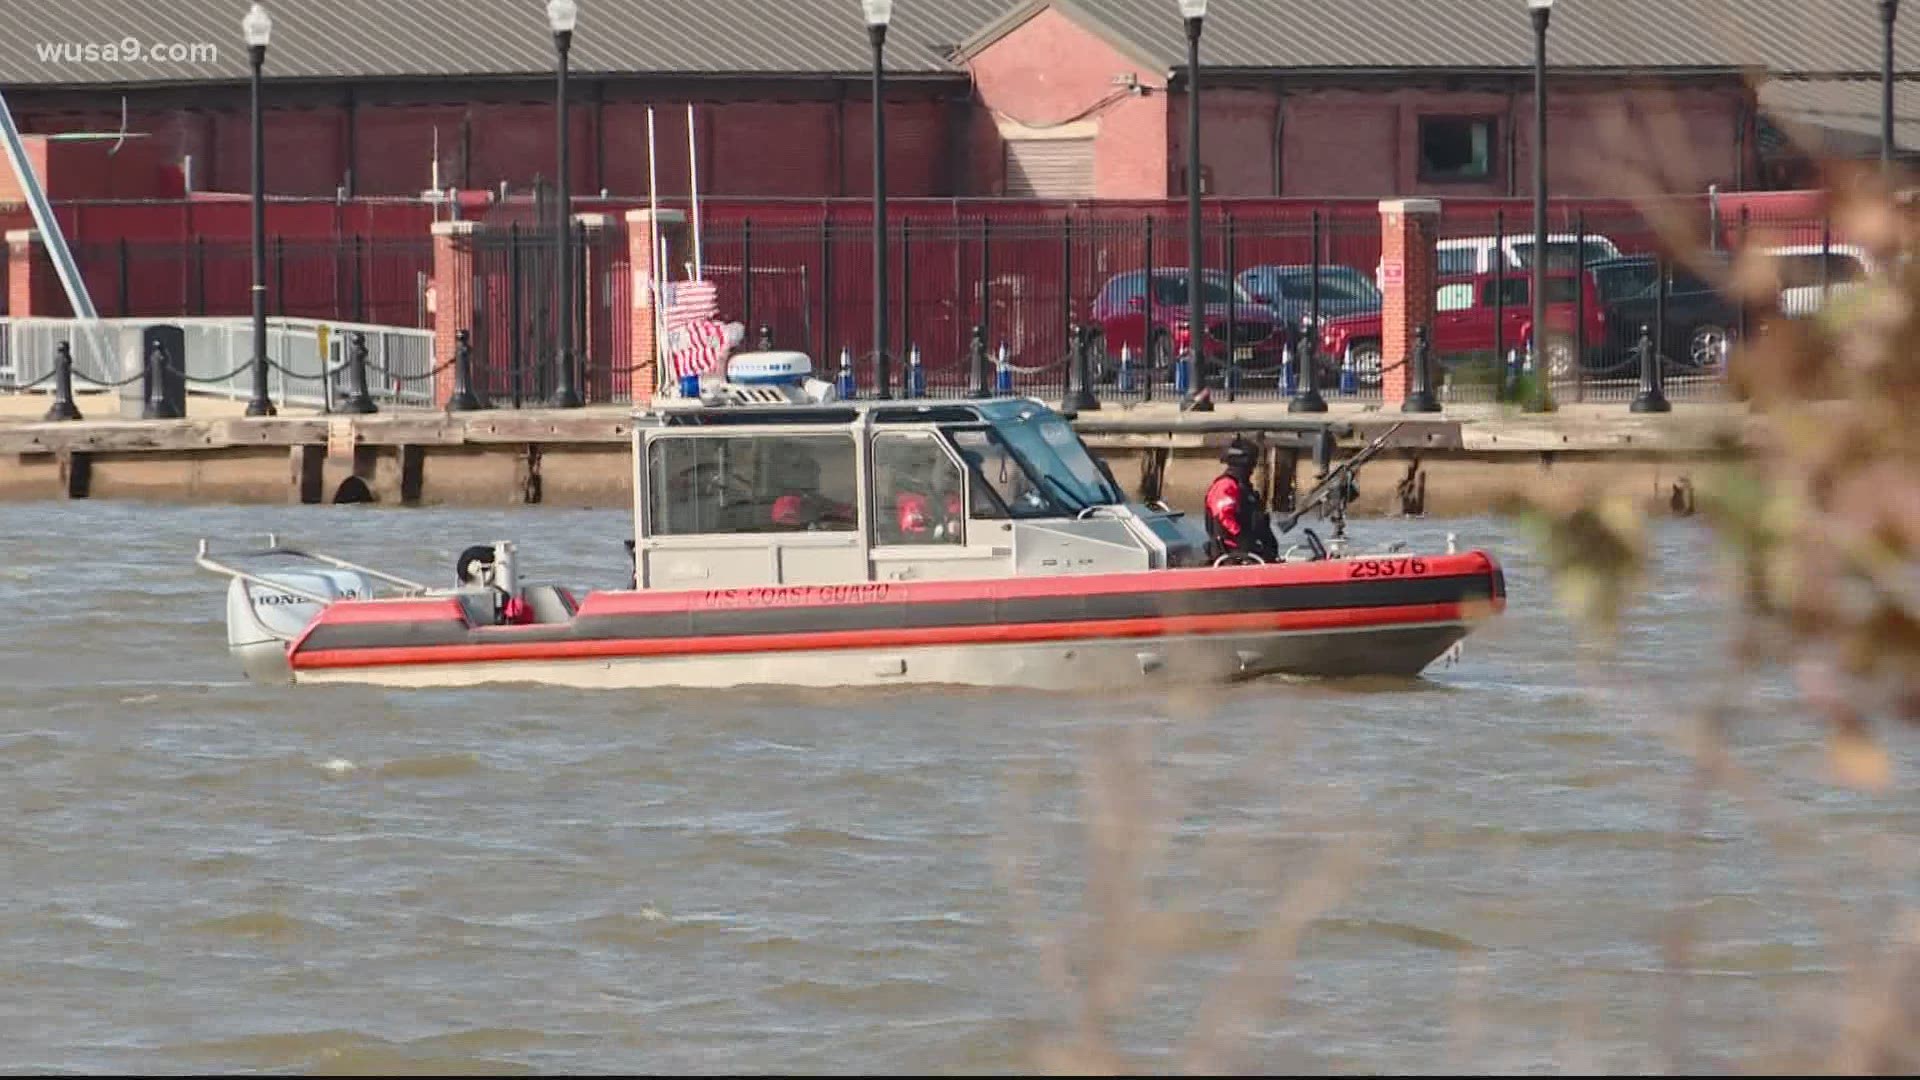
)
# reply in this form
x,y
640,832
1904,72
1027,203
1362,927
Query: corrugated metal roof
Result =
x,y
444,38
425,38
1842,114
1781,35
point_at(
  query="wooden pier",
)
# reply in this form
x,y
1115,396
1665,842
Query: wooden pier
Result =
x,y
1459,462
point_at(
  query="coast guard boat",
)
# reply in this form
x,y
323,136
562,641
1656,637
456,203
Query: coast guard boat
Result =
x,y
784,537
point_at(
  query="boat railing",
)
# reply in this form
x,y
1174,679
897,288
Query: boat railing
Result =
x,y
205,560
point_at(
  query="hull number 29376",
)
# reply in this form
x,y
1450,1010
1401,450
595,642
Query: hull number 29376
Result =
x,y
1386,568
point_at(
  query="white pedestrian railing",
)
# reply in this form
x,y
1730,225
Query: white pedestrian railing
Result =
x,y
218,355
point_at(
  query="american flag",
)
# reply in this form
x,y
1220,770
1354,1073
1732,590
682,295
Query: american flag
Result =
x,y
696,340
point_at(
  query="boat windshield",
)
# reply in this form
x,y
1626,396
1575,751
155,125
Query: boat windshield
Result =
x,y
1058,465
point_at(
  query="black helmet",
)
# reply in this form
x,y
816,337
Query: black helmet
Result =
x,y
472,563
1240,454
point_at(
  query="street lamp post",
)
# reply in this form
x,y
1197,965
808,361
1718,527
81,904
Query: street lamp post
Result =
x,y
1541,10
1889,11
879,12
1195,14
561,15
257,27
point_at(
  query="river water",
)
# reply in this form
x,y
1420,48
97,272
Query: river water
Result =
x,y
205,875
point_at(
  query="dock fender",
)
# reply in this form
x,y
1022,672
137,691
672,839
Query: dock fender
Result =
x,y
1412,489
1680,500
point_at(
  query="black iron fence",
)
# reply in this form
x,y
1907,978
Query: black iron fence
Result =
x,y
351,280
513,303
993,300
1021,288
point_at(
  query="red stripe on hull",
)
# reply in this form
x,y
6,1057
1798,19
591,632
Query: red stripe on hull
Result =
x,y
1251,622
647,602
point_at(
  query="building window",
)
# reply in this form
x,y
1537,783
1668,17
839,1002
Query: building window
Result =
x,y
1456,148
1049,168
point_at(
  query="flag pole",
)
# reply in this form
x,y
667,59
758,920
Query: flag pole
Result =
x,y
663,356
693,175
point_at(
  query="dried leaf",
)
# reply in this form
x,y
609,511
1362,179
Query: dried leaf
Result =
x,y
1860,762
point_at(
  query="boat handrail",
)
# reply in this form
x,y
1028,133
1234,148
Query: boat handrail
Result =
x,y
275,547
208,562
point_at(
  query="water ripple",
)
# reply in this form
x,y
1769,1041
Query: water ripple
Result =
x,y
210,876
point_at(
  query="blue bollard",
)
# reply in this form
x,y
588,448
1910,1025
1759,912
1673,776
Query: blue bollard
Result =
x,y
1349,378
916,378
1003,372
689,386
1123,378
843,384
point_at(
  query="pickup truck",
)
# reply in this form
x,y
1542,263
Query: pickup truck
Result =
x,y
1811,275
1467,310
1475,254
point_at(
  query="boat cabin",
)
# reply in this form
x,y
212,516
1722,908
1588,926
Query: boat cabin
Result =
x,y
751,486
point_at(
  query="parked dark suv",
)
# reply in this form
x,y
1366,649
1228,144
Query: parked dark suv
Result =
x,y
1699,319
1288,289
1155,327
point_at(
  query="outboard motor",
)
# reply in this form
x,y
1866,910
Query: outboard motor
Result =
x,y
262,621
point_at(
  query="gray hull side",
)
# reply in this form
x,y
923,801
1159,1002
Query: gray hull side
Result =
x,y
1077,665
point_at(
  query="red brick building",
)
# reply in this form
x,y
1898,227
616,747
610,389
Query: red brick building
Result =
x,y
1409,97
1067,98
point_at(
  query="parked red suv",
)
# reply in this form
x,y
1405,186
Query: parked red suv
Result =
x,y
1155,327
1467,308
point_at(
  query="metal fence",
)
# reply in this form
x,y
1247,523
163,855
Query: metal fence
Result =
x,y
1022,286
1285,282
218,358
512,304
381,282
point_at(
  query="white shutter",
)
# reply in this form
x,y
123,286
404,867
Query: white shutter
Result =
x,y
1050,168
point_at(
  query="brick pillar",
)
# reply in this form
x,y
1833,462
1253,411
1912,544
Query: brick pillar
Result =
x,y
679,240
33,288
451,300
599,236
1408,228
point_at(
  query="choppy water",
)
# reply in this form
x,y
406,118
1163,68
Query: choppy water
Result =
x,y
203,875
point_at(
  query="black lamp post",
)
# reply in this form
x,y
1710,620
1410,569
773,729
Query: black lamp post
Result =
x,y
561,15
879,12
1541,11
1889,11
258,28
1195,13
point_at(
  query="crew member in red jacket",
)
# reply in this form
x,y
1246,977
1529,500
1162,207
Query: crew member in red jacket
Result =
x,y
1237,520
925,516
804,506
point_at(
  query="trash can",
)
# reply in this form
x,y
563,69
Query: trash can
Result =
x,y
136,346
